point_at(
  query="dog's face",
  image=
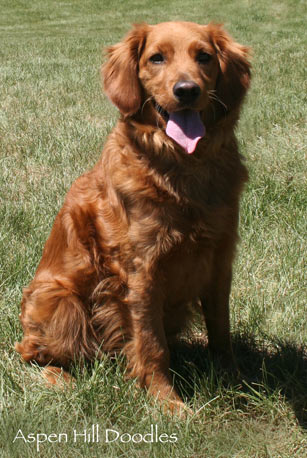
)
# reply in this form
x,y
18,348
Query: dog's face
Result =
x,y
178,67
177,71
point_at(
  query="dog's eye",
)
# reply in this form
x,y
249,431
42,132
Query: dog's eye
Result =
x,y
203,57
157,59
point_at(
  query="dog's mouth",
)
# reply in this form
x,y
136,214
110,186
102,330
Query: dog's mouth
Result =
x,y
183,126
161,111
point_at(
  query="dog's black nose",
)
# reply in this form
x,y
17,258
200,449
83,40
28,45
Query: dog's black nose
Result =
x,y
186,92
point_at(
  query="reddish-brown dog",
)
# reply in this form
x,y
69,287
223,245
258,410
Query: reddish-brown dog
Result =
x,y
153,227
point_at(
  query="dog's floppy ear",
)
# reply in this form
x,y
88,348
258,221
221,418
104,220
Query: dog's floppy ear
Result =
x,y
120,72
234,78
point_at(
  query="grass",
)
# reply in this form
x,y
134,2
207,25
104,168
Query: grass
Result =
x,y
53,123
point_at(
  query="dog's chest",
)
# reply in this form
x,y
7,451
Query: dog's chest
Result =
x,y
185,271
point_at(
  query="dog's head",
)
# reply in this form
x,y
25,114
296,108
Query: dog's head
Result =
x,y
181,72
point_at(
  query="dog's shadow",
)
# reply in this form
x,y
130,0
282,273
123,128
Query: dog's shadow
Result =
x,y
280,367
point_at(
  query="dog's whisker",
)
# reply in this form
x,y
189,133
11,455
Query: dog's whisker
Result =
x,y
213,96
149,99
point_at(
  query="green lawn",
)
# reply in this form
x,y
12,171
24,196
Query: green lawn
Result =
x,y
53,123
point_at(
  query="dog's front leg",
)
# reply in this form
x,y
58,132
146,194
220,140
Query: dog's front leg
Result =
x,y
215,305
147,351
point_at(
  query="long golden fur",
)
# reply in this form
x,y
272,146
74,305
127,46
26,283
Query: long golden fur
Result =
x,y
150,229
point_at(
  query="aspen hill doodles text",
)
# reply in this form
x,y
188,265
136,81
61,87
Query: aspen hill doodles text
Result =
x,y
95,435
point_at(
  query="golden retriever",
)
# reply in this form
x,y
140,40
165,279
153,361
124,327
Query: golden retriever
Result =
x,y
152,228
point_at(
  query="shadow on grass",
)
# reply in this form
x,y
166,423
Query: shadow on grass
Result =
x,y
280,367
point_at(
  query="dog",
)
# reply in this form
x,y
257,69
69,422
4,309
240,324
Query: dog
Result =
x,y
152,228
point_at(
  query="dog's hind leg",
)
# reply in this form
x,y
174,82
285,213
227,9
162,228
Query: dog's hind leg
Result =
x,y
56,326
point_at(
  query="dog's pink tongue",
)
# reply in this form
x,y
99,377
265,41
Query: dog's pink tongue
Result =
x,y
186,128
